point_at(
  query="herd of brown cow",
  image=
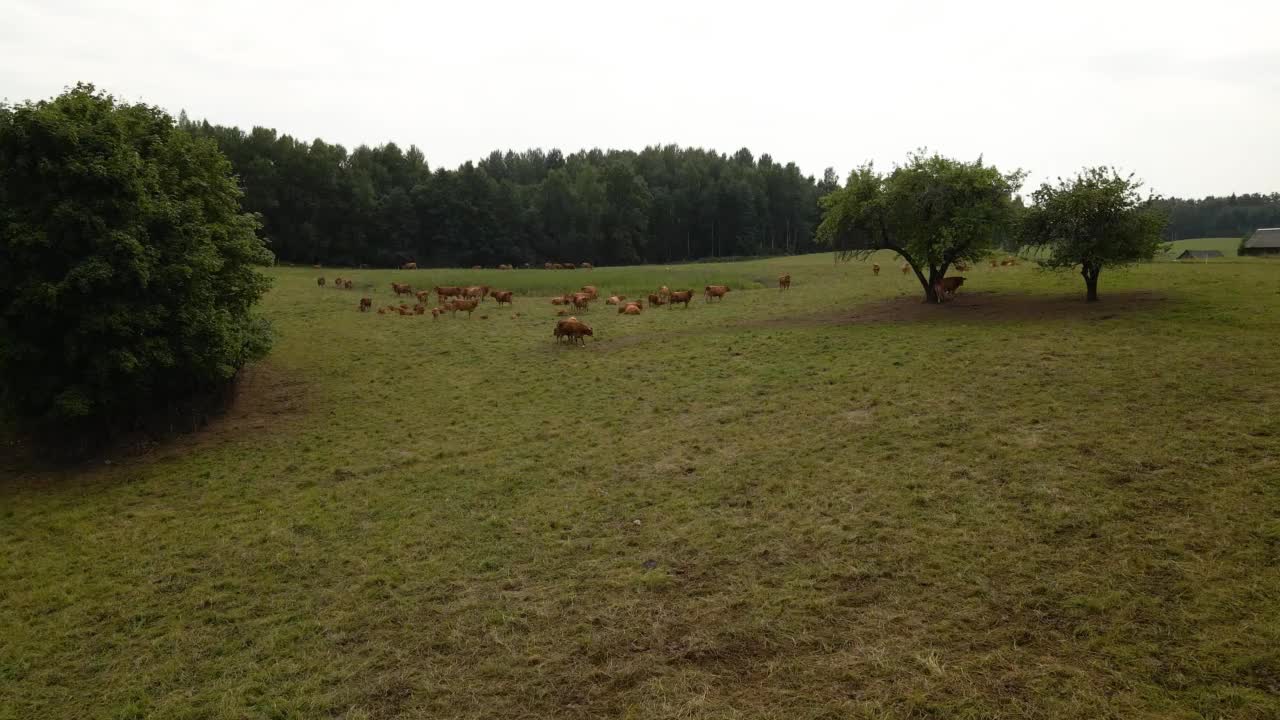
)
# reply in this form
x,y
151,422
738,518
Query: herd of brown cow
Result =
x,y
454,299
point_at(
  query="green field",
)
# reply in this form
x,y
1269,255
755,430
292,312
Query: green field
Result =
x,y
1227,246
829,502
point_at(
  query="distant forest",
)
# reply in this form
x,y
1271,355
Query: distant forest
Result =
x,y
383,206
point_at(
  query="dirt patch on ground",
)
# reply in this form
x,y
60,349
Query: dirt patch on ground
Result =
x,y
986,307
265,399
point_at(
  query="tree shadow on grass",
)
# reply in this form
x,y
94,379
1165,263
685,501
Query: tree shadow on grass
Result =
x,y
265,399
993,307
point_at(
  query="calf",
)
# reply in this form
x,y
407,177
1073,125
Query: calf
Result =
x,y
784,281
365,304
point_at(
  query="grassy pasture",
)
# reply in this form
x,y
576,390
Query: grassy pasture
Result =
x,y
824,503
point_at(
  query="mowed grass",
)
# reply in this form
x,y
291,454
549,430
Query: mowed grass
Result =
x,y
825,503
1229,247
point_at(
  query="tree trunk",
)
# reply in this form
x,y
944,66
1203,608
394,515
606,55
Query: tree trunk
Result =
x,y
1090,273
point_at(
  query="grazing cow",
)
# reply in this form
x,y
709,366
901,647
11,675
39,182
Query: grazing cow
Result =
x,y
476,292
401,289
365,304
422,296
875,268
655,299
574,329
715,291
680,296
502,296
320,282
419,309
409,266
570,266
404,310
586,266
348,284
435,312
581,301
468,306
784,282
906,268
591,290
448,291
949,285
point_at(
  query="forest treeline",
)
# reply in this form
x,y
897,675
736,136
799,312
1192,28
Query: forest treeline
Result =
x,y
383,206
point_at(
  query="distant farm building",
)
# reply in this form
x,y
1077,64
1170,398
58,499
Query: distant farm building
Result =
x,y
1199,254
1264,241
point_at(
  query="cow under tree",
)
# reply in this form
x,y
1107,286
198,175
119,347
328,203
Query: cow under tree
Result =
x,y
932,211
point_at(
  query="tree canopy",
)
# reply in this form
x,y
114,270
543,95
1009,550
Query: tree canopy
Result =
x,y
933,211
126,263
1097,219
384,205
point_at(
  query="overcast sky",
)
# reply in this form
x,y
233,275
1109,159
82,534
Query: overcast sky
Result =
x,y
1185,94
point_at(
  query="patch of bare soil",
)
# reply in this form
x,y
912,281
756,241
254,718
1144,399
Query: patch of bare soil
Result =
x,y
264,399
987,307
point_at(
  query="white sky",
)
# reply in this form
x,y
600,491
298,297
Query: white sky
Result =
x,y
1187,94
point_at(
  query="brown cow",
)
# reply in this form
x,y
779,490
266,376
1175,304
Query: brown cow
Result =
x,y
557,266
655,300
348,284
422,296
615,299
337,282
504,266
468,306
382,311
502,296
586,266
875,268
436,312
570,266
320,282
631,309
574,329
546,266
664,292
581,301
401,288
680,296
784,282
993,263
365,304
446,291
409,266
948,286
715,291
591,290
419,309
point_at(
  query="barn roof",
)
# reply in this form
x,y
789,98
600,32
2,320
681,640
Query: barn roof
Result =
x,y
1199,254
1264,238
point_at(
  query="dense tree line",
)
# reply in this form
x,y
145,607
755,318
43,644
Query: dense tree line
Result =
x,y
383,205
1229,216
